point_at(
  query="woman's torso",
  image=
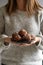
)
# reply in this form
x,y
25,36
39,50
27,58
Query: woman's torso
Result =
x,y
19,21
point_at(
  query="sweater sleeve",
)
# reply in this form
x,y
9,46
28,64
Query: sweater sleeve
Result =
x,y
40,45
2,28
1,22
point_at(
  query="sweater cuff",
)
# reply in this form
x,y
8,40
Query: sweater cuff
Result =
x,y
39,43
3,36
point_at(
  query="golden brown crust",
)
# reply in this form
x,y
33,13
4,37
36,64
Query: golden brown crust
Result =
x,y
16,37
22,32
22,35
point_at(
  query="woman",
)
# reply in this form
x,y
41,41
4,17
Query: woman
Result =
x,y
22,14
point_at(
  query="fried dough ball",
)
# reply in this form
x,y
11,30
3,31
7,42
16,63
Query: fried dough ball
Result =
x,y
16,37
27,37
32,37
22,32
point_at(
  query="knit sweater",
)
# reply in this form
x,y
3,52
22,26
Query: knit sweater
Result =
x,y
31,55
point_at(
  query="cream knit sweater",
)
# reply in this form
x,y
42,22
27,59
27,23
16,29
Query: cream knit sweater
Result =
x,y
31,55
